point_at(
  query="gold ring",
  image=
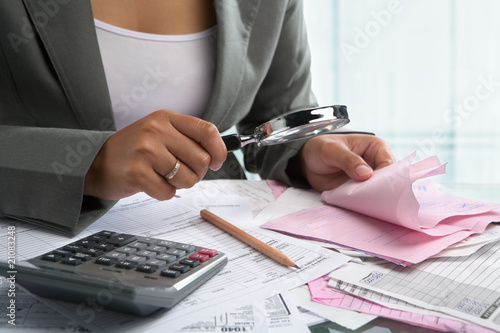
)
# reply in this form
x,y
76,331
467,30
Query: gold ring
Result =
x,y
174,171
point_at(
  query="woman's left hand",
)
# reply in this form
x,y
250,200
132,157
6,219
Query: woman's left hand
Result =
x,y
328,161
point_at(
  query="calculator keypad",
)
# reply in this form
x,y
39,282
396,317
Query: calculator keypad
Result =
x,y
146,255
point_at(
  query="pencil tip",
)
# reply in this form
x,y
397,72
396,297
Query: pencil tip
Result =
x,y
297,267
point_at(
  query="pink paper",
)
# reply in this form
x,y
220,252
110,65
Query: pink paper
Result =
x,y
323,294
391,218
389,196
276,187
383,239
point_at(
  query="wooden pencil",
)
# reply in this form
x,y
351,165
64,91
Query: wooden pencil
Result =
x,y
247,239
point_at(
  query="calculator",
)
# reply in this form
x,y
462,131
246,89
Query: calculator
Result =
x,y
121,272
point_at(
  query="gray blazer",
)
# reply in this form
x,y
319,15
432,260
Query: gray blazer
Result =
x,y
55,109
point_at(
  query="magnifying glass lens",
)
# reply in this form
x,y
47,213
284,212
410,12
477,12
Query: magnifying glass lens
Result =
x,y
292,126
301,132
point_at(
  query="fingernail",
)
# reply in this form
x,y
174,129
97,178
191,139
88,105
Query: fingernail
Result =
x,y
363,170
216,168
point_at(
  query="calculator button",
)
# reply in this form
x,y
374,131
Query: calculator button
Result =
x,y
167,244
127,250
143,257
157,249
93,252
105,233
148,240
105,261
146,268
189,262
180,268
168,258
177,253
71,261
138,245
73,248
147,254
136,259
105,247
62,253
199,256
97,238
170,273
121,239
210,252
156,263
186,247
115,255
82,256
125,264
51,257
86,243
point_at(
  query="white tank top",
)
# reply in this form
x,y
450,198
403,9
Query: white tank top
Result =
x,y
148,72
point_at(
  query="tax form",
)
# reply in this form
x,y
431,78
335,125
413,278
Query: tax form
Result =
x,y
271,314
467,288
249,275
391,308
33,315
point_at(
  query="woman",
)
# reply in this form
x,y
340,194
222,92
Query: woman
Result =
x,y
62,161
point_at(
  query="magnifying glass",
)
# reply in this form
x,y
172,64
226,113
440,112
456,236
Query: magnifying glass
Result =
x,y
292,126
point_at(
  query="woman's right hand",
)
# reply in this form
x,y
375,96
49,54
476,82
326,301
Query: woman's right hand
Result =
x,y
138,157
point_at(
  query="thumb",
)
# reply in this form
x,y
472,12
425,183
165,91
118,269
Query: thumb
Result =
x,y
355,166
362,172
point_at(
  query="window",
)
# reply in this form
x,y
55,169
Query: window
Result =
x,y
424,75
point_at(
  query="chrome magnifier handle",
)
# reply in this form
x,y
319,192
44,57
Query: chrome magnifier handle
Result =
x,y
235,141
292,126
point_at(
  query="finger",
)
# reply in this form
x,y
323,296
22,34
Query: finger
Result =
x,y
206,135
169,166
361,154
181,176
378,153
150,182
354,165
384,157
157,183
153,156
336,154
192,155
159,188
160,125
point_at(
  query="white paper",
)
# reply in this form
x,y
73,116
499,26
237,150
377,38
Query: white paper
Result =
x,y
249,275
205,192
468,288
349,319
30,314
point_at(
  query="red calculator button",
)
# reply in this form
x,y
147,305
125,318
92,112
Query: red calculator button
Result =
x,y
210,252
200,257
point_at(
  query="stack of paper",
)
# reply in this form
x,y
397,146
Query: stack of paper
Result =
x,y
468,288
449,245
396,309
424,223
388,217
248,294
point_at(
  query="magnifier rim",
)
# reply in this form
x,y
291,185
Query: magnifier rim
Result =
x,y
322,118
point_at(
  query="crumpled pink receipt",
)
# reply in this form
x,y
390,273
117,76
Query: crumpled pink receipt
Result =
x,y
390,217
389,196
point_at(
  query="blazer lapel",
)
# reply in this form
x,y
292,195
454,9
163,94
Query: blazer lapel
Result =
x,y
67,30
234,25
